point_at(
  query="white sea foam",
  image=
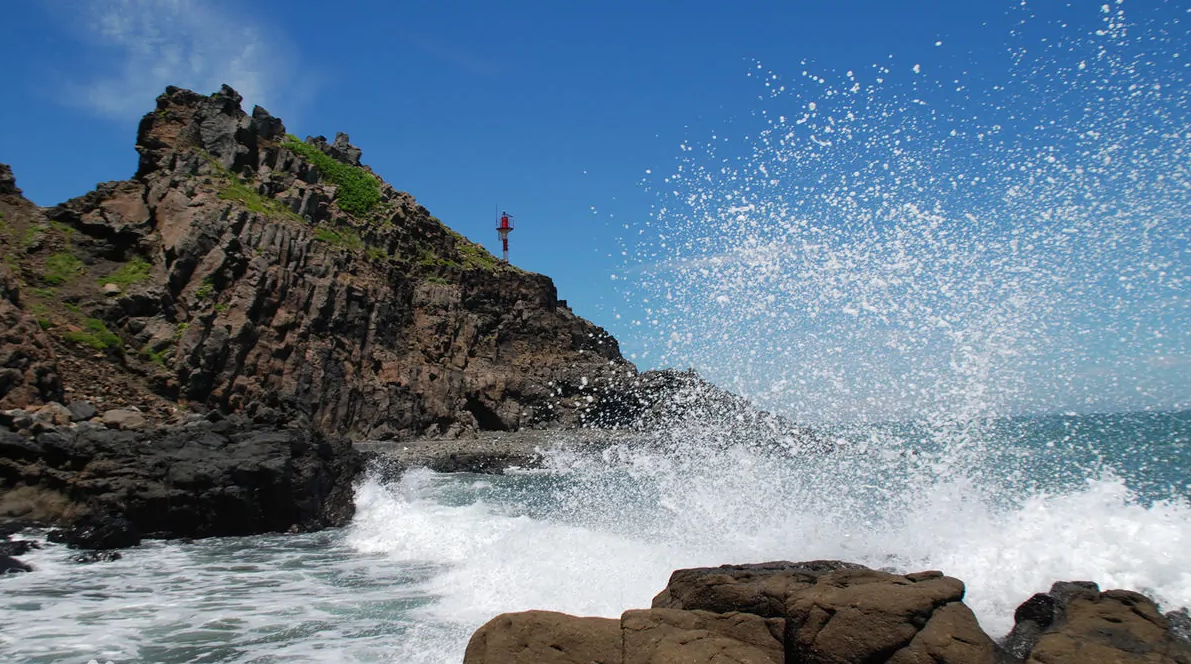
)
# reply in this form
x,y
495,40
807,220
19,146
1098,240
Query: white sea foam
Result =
x,y
606,536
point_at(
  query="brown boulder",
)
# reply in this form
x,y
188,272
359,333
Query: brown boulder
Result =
x,y
545,637
761,589
842,612
662,636
1075,623
862,615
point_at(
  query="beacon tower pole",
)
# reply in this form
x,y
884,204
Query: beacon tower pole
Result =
x,y
503,229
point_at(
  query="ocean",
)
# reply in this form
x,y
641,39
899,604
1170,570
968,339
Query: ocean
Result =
x,y
1009,506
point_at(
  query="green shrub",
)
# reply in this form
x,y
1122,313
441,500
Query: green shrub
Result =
x,y
344,238
428,259
475,256
436,280
94,334
358,191
205,290
251,200
132,272
153,356
221,307
60,268
180,330
66,230
377,254
30,237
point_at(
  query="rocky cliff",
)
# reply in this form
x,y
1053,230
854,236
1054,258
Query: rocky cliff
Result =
x,y
244,270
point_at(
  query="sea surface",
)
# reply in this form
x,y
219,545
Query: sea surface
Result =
x,y
1008,505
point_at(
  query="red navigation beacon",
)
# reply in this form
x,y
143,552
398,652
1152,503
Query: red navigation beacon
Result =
x,y
504,228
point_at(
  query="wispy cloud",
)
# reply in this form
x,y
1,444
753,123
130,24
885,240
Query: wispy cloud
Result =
x,y
138,47
466,60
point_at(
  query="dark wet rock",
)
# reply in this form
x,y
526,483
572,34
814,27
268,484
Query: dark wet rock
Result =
x,y
1180,624
10,565
200,479
669,399
17,547
99,533
88,557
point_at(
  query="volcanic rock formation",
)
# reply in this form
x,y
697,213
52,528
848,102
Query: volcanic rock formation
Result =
x,y
829,612
243,272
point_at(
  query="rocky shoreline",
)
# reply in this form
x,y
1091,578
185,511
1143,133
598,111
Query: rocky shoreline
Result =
x,y
106,485
831,612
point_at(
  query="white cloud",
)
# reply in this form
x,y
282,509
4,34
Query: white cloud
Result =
x,y
142,46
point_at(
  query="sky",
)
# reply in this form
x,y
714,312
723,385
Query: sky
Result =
x,y
570,116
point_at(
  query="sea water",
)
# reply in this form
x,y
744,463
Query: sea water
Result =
x,y
431,557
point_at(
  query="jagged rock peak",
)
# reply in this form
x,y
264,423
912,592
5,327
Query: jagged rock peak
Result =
x,y
341,149
8,183
215,124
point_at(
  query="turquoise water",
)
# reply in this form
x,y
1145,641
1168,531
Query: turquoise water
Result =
x,y
1009,507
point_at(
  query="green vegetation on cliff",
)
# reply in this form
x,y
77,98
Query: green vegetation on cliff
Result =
x,y
132,272
344,238
60,268
253,201
358,191
94,334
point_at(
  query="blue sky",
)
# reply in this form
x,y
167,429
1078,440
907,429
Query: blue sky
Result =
x,y
568,115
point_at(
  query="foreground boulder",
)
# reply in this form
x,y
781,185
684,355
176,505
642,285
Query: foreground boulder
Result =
x,y
831,612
